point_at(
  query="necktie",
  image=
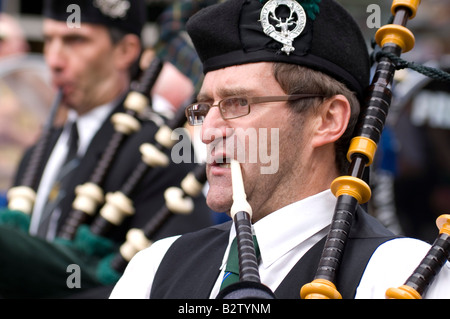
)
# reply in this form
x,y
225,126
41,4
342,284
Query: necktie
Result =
x,y
58,190
232,269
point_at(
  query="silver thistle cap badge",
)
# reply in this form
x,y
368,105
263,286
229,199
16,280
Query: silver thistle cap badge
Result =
x,y
283,30
113,8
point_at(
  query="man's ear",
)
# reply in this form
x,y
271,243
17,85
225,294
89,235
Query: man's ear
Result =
x,y
127,51
331,120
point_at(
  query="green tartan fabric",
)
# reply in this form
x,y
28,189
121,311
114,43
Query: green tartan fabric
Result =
x,y
15,219
34,268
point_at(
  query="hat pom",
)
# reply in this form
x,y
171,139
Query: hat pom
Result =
x,y
311,7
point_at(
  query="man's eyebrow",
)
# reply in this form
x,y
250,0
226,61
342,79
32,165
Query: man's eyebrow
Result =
x,y
225,92
66,36
203,97
234,91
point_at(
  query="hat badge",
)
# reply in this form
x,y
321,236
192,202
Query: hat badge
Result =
x,y
283,30
113,8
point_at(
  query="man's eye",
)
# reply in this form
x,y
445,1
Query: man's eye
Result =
x,y
202,108
235,102
75,39
242,101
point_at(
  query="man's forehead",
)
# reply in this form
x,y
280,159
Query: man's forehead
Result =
x,y
246,79
51,26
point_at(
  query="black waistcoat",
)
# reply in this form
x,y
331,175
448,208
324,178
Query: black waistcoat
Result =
x,y
190,267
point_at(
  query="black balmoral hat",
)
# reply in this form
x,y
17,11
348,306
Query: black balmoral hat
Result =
x,y
318,34
126,15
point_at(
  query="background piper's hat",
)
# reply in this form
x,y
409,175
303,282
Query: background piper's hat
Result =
x,y
126,15
326,39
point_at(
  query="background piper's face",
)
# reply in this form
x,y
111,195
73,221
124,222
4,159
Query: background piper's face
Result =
x,y
265,192
82,63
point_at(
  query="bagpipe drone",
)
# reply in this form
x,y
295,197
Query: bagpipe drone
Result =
x,y
351,190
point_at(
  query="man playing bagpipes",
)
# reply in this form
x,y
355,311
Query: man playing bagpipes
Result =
x,y
92,66
294,73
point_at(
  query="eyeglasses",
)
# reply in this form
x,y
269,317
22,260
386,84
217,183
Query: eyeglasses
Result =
x,y
234,107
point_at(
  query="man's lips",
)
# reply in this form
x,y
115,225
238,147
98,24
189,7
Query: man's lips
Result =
x,y
219,156
219,165
219,159
65,86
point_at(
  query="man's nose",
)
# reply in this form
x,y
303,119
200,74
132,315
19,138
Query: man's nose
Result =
x,y
213,127
54,55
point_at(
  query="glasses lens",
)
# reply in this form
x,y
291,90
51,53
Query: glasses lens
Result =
x,y
234,107
196,113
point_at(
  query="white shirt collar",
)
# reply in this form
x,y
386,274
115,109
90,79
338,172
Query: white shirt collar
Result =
x,y
286,228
